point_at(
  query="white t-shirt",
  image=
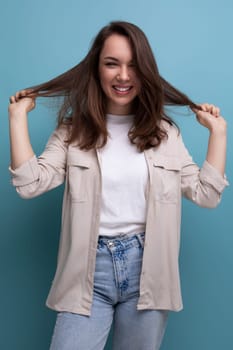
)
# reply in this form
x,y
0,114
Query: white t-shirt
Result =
x,y
124,181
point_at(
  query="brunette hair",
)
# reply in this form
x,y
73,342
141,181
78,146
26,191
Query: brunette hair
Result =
x,y
84,104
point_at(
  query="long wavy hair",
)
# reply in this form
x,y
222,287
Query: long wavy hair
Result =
x,y
84,103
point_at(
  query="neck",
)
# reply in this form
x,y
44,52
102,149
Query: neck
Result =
x,y
119,110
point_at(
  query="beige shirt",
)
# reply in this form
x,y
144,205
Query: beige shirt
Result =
x,y
172,173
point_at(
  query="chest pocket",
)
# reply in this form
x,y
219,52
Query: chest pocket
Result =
x,y
78,168
166,179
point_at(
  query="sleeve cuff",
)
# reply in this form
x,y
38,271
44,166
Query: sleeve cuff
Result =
x,y
26,173
210,175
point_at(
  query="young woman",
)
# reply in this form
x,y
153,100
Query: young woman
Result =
x,y
125,168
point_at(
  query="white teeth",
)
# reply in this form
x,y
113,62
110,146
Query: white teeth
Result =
x,y
122,89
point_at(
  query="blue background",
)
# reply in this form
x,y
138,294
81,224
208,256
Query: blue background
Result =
x,y
192,41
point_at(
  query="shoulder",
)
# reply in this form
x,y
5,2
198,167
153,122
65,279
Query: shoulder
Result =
x,y
63,130
172,143
62,133
59,137
172,131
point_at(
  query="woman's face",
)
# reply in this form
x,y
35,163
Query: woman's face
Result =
x,y
118,74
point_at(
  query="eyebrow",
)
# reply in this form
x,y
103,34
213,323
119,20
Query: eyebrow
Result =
x,y
111,58
114,59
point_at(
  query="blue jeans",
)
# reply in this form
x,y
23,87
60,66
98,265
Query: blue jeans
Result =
x,y
116,292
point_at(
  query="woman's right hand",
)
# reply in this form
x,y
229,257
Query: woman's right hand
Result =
x,y
21,102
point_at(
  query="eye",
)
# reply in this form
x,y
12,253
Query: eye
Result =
x,y
132,65
110,64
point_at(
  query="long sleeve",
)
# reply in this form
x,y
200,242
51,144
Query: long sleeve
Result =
x,y
38,175
204,185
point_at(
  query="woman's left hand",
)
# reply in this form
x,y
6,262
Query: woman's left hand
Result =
x,y
209,116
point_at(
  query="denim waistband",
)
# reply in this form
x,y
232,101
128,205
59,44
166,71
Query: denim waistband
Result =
x,y
125,240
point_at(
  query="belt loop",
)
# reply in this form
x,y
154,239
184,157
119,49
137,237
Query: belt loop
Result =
x,y
140,240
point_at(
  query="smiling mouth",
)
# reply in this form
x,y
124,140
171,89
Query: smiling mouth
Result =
x,y
122,88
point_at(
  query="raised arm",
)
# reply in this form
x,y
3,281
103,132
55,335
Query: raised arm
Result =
x,y
21,149
210,117
33,175
205,185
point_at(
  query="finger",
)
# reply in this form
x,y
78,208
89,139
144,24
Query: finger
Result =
x,y
212,109
12,99
204,107
196,109
215,111
29,91
21,94
17,94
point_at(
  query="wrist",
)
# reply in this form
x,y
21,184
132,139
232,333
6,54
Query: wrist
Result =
x,y
17,115
219,128
218,132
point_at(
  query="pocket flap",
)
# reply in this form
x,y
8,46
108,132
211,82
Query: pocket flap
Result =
x,y
77,159
169,163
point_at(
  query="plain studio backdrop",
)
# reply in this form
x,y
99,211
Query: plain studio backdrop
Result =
x,y
192,42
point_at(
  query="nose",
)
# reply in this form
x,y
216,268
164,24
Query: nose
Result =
x,y
123,74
